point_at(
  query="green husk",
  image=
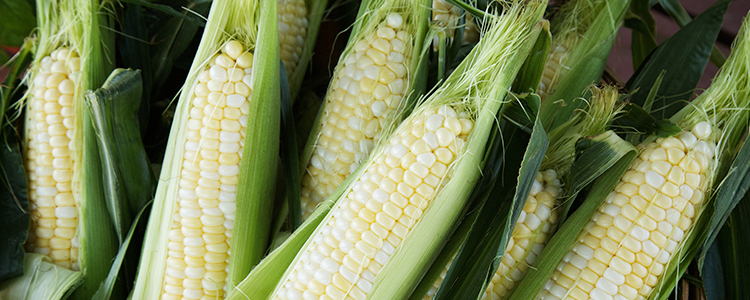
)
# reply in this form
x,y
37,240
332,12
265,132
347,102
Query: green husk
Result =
x,y
253,24
586,29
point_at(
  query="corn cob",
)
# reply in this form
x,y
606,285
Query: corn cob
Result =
x,y
49,162
447,15
634,234
292,32
369,86
377,213
193,251
202,225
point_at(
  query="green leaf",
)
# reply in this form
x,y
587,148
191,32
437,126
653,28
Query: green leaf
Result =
x,y
256,182
42,280
129,183
479,255
523,111
18,21
684,57
567,235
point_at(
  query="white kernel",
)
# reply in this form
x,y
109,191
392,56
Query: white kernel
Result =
x,y
218,73
235,100
66,212
654,179
394,20
702,130
434,122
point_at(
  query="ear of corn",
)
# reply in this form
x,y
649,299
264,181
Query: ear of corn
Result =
x,y
370,88
583,32
645,232
222,174
407,180
71,222
542,209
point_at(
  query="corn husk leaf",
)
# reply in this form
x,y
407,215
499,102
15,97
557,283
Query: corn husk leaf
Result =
x,y
684,56
289,155
169,11
105,289
678,13
128,181
42,280
615,149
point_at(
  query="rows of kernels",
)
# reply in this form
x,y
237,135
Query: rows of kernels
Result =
x,y
368,88
633,236
555,61
447,15
379,210
292,31
49,162
534,227
201,233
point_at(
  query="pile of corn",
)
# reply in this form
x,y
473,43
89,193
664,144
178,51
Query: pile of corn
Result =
x,y
386,196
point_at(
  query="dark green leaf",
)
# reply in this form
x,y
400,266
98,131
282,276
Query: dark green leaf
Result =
x,y
730,246
682,18
14,206
105,289
523,111
289,154
18,21
684,56
169,11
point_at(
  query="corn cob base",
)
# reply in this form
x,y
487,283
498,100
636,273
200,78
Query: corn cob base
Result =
x,y
533,229
368,88
635,233
378,211
50,159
